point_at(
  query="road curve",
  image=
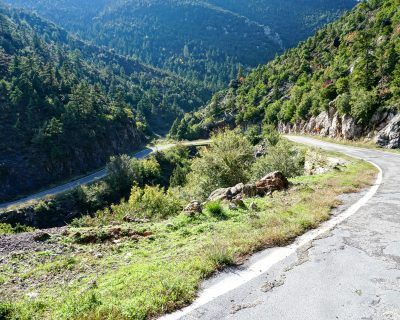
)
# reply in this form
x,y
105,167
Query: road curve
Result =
x,y
349,268
96,175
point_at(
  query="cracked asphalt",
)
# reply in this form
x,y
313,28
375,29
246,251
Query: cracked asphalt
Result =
x,y
351,272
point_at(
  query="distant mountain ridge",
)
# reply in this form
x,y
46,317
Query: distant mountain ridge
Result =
x,y
200,40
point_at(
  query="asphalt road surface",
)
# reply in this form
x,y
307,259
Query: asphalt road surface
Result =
x,y
347,269
94,176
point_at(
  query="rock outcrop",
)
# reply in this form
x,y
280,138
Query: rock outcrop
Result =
x,y
384,127
389,136
274,181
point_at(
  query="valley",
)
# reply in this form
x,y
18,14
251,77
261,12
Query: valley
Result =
x,y
157,159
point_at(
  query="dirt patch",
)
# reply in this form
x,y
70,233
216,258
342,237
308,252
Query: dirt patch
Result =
x,y
28,241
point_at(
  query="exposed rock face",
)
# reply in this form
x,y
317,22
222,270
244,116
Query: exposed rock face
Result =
x,y
385,126
389,136
26,172
274,181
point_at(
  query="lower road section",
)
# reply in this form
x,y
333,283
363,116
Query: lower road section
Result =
x,y
95,176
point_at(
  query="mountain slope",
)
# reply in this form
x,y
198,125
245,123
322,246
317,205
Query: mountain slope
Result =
x,y
66,106
202,40
349,70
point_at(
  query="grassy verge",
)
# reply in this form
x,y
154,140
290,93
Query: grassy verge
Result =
x,y
154,268
366,144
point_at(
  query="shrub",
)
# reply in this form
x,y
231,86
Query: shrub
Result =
x,y
363,105
271,112
124,171
343,104
224,164
175,164
6,228
271,135
94,197
6,310
178,177
253,134
216,209
121,173
283,157
154,202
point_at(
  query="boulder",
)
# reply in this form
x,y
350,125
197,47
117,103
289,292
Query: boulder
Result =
x,y
41,236
350,129
274,181
220,194
193,208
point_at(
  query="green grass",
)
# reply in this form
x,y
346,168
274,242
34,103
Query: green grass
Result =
x,y
140,279
216,209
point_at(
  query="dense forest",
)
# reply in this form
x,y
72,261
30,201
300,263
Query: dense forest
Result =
x,y
66,106
206,41
351,65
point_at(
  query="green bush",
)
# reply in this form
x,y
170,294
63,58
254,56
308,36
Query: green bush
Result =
x,y
6,310
6,228
363,105
225,163
343,104
124,171
271,135
153,202
216,209
283,157
253,134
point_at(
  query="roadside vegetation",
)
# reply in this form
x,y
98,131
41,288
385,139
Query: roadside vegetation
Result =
x,y
143,256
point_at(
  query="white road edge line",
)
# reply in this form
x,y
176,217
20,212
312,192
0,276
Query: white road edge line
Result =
x,y
277,255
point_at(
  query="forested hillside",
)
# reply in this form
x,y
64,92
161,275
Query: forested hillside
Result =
x,y
67,106
351,68
200,40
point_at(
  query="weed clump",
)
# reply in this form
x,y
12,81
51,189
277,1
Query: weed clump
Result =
x,y
216,209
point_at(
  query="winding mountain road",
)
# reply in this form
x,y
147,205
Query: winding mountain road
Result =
x,y
96,175
349,268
